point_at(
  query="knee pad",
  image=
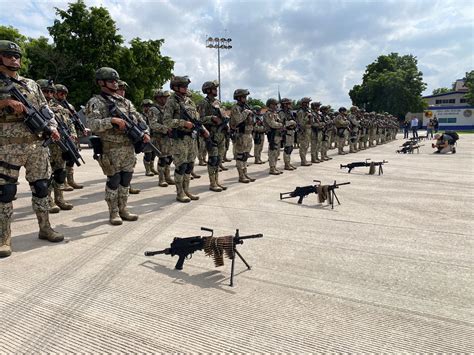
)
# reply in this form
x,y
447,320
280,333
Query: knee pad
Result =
x,y
169,160
288,150
7,193
240,156
181,169
148,157
125,178
213,161
113,181
246,156
189,168
39,188
59,175
162,162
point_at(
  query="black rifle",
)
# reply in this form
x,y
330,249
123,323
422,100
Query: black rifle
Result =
x,y
372,164
409,147
224,119
198,127
37,122
134,131
185,247
75,117
302,191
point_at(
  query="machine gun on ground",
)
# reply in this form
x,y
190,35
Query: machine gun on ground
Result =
x,y
324,192
215,247
134,131
37,122
409,147
371,164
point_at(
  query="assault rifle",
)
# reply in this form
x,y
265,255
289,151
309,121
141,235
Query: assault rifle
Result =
x,y
134,131
371,164
224,119
75,117
324,192
37,122
215,247
198,127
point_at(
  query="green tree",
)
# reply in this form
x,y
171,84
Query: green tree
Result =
x,y
255,102
441,91
470,86
227,105
10,33
196,96
391,84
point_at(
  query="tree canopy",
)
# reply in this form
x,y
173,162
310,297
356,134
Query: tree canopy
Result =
x,y
470,86
391,84
441,91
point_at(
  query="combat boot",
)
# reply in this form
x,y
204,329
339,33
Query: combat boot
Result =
x,y
180,195
273,171
53,208
187,179
194,175
161,177
122,205
242,177
218,183
251,179
70,179
222,167
169,180
111,197
46,232
5,237
134,191
304,162
152,168
59,200
213,183
288,166
148,171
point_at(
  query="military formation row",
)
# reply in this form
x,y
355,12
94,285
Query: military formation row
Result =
x,y
171,128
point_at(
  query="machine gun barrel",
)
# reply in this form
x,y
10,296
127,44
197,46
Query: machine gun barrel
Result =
x,y
166,251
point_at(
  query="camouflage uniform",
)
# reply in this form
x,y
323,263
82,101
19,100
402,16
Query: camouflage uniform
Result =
x,y
214,120
58,164
184,145
275,129
241,121
304,117
342,125
161,139
19,147
258,134
326,129
118,154
316,133
289,139
353,129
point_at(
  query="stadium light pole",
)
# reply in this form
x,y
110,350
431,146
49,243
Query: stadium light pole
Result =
x,y
219,43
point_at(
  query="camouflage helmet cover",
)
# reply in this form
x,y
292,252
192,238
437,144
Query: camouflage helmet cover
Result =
x,y
286,100
179,81
257,107
161,93
106,73
354,108
324,108
271,101
240,92
61,88
305,99
9,47
147,102
209,85
122,83
46,84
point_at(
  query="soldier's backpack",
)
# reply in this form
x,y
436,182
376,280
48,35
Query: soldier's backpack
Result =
x,y
454,136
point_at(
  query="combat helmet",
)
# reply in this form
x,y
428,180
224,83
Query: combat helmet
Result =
x,y
271,101
177,81
61,88
209,85
161,93
106,73
305,99
240,92
342,109
10,47
147,102
286,100
46,84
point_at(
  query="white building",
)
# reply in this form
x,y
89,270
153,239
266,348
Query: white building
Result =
x,y
451,109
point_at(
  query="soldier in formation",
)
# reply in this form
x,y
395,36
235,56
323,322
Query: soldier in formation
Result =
x,y
258,134
304,118
275,131
288,119
19,147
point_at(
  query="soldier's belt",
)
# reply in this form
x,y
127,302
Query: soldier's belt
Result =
x,y
11,119
19,140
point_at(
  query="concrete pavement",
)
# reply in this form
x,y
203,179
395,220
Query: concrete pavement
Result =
x,y
389,270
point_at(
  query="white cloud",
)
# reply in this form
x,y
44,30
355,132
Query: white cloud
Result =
x,y
309,48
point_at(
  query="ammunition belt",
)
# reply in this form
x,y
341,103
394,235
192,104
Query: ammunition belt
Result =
x,y
19,140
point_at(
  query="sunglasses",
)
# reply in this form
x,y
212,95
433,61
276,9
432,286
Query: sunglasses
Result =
x,y
11,55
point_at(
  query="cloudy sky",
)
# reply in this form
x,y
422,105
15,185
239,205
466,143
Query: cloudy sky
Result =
x,y
316,48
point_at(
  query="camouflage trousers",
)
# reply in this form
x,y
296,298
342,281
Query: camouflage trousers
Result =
x,y
304,138
117,159
316,143
274,152
184,150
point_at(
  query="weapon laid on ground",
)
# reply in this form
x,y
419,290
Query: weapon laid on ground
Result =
x,y
409,147
367,162
134,131
37,122
324,192
215,247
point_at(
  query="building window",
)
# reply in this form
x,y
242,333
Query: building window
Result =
x,y
463,101
452,101
449,120
438,102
